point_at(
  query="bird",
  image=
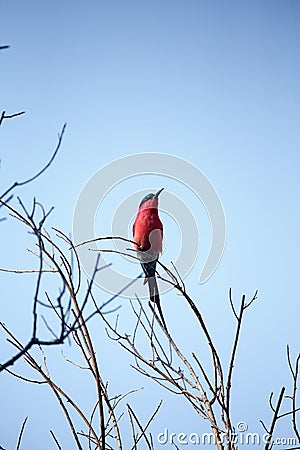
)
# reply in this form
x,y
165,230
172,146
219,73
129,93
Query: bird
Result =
x,y
147,238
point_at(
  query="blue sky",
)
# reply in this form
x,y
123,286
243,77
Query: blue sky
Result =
x,y
215,83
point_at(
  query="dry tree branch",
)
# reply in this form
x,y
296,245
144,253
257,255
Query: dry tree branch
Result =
x,y
105,238
208,411
143,430
166,374
130,415
213,389
22,271
63,268
232,305
92,357
295,373
21,433
151,335
34,177
74,252
28,219
20,377
58,391
55,440
159,368
276,409
288,413
65,331
84,345
83,339
3,115
270,432
239,318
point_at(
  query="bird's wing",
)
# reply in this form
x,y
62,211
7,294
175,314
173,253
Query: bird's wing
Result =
x,y
162,236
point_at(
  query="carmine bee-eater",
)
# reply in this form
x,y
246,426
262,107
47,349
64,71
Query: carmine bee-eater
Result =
x,y
148,236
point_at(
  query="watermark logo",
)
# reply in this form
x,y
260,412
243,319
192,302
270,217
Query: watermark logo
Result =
x,y
175,175
241,436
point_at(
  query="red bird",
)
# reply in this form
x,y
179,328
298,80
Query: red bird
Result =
x,y
148,235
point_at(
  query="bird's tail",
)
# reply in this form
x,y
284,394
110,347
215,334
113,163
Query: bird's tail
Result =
x,y
154,297
149,269
153,290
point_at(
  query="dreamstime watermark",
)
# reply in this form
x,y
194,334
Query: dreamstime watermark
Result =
x,y
169,168
240,437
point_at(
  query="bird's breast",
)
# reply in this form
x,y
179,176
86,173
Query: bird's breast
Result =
x,y
148,231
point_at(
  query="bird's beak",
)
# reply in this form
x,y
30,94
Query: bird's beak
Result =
x,y
158,192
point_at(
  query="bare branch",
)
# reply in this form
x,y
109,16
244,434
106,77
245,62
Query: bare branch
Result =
x,y
22,271
270,402
252,300
29,180
234,349
105,238
55,440
232,305
20,377
264,427
295,373
270,432
143,430
3,115
239,318
21,433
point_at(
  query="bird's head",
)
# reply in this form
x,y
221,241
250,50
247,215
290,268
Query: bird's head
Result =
x,y
150,200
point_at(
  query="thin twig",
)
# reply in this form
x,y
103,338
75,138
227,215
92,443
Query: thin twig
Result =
x,y
106,238
294,373
233,353
29,180
268,445
21,433
232,305
55,440
3,115
143,430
